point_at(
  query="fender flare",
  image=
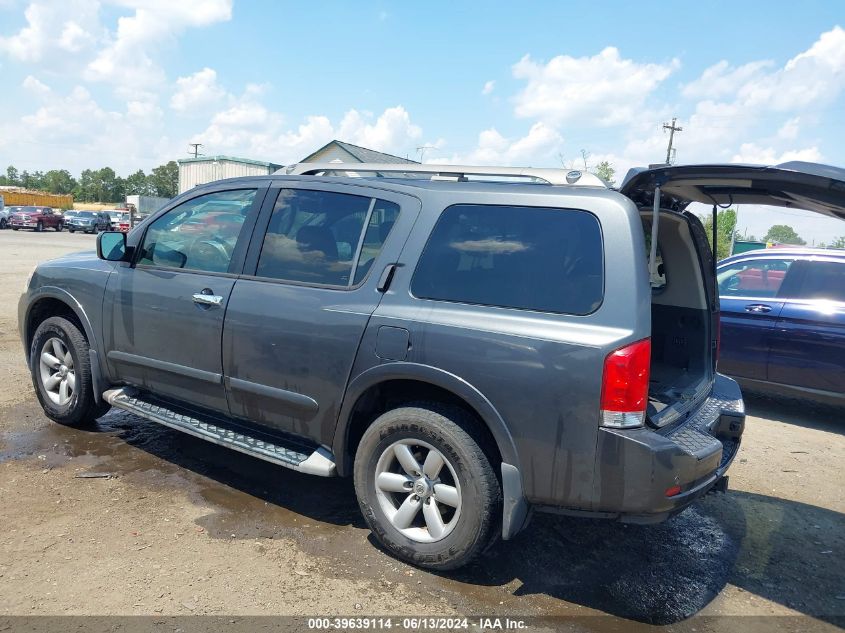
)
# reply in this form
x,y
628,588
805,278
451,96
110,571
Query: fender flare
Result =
x,y
422,373
60,294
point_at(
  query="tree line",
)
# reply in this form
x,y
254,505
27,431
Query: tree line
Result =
x,y
777,234
98,185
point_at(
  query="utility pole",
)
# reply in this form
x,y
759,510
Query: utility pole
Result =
x,y
672,129
421,149
196,150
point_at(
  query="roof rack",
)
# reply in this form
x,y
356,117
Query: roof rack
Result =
x,y
458,173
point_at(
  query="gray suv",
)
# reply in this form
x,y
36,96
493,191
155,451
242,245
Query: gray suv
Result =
x,y
468,347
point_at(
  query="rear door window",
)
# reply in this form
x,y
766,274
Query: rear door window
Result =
x,y
755,278
823,280
529,258
324,238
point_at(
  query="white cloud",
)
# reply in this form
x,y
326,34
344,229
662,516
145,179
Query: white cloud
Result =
x,y
812,78
36,87
603,90
197,91
488,87
722,80
789,130
53,30
754,154
539,147
249,128
139,36
390,132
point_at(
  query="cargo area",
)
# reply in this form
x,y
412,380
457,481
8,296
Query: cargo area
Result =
x,y
681,363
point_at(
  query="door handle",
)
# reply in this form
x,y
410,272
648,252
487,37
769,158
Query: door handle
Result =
x,y
758,308
207,299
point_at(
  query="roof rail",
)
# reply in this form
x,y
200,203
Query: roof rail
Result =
x,y
447,172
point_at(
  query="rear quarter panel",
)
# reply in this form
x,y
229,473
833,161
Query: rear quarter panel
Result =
x,y
541,372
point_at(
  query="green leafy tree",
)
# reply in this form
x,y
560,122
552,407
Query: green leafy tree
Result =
x,y
12,178
58,181
725,227
783,234
839,242
164,180
605,171
138,184
84,190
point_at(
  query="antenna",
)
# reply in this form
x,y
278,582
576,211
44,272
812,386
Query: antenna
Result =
x,y
196,149
421,149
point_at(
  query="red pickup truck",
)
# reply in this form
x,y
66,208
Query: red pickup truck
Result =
x,y
37,218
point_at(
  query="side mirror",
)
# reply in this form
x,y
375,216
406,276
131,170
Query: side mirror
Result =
x,y
111,246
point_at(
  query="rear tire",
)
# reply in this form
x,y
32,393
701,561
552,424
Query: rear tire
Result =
x,y
2,223
73,404
15,228
454,510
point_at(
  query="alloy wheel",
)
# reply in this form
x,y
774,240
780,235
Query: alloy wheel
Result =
x,y
418,490
58,376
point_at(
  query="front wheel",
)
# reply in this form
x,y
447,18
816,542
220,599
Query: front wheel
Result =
x,y
71,231
61,373
2,223
39,227
426,488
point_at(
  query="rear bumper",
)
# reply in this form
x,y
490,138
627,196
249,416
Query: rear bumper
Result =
x,y
635,468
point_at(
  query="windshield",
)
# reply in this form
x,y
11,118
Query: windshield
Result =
x,y
85,214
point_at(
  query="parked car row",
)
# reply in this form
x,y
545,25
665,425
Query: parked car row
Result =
x,y
39,218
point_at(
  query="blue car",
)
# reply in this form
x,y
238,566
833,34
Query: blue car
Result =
x,y
783,321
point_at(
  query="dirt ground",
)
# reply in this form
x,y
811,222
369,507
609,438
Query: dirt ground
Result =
x,y
182,527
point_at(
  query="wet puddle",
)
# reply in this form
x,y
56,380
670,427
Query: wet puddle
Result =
x,y
248,498
558,566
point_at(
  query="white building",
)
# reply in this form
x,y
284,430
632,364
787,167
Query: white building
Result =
x,y
203,169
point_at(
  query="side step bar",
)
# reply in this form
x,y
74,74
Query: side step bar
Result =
x,y
320,462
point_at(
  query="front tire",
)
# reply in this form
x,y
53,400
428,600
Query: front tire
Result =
x,y
59,227
426,488
61,373
39,227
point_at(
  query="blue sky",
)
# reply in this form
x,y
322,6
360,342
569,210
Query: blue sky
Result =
x,y
128,83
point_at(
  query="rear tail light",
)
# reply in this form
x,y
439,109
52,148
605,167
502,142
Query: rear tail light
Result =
x,y
624,390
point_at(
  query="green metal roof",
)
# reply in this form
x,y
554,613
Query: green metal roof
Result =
x,y
231,159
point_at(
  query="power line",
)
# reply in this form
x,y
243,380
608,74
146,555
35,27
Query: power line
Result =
x,y
672,129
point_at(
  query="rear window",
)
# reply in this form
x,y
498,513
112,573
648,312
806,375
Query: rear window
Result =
x,y
824,280
529,258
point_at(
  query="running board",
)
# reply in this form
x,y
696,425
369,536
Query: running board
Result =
x,y
320,462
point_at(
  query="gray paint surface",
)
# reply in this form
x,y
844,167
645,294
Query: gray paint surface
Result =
x,y
295,358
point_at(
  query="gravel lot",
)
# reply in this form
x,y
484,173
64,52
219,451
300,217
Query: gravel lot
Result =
x,y
183,527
